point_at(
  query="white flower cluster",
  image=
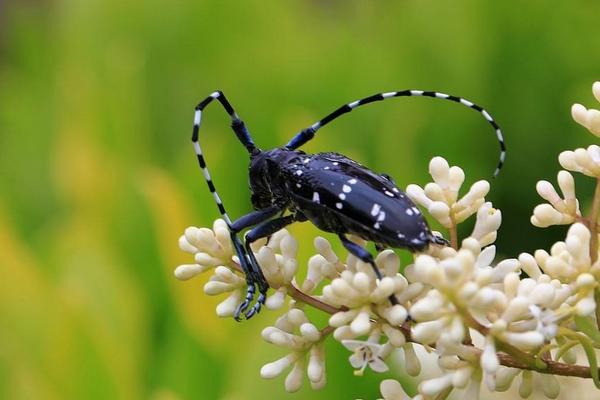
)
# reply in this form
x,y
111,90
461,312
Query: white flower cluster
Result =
x,y
559,210
306,342
440,197
487,321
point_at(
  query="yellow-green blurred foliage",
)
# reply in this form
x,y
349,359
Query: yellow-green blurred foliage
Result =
x,y
98,177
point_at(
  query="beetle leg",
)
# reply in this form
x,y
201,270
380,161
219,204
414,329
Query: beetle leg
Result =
x,y
280,215
364,256
263,230
253,218
252,278
244,263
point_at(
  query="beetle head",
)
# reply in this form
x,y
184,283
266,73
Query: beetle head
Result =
x,y
260,173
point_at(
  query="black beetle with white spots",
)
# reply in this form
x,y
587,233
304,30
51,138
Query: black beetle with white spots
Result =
x,y
334,192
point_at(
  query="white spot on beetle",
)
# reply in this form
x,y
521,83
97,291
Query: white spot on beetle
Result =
x,y
336,163
395,190
306,160
409,211
381,216
376,225
389,193
326,168
316,197
416,210
401,236
342,196
352,181
298,185
339,205
346,189
375,209
298,172
415,241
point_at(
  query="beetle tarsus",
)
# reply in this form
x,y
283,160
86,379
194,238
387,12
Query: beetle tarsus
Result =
x,y
246,303
260,301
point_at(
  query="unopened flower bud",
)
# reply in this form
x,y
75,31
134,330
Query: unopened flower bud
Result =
x,y
550,386
526,386
188,271
439,171
432,387
275,368
293,382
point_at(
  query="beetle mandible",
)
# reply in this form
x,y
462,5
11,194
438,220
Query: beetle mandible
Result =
x,y
332,191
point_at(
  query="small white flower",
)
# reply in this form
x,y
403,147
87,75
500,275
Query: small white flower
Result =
x,y
558,210
545,321
487,224
366,354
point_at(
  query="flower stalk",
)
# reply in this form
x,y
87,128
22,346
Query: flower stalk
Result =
x,y
593,224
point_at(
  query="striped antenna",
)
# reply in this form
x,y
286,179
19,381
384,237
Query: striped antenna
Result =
x,y
241,132
306,134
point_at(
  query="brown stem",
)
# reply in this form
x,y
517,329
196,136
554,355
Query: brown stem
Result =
x,y
552,367
453,236
519,355
316,303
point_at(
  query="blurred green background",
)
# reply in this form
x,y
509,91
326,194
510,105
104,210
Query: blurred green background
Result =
x,y
98,177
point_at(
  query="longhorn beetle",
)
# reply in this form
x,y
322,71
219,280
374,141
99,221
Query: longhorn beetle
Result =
x,y
330,190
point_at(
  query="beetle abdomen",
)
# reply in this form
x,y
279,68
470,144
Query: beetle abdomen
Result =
x,y
339,195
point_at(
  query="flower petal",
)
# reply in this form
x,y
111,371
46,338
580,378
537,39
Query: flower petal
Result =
x,y
378,365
